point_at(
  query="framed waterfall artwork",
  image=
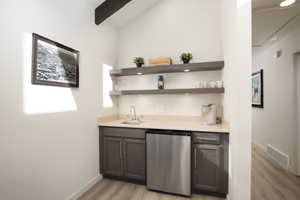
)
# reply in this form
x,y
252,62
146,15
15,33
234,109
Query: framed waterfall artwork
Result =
x,y
258,89
53,63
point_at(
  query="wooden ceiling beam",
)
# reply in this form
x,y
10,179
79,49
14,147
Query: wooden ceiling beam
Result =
x,y
107,9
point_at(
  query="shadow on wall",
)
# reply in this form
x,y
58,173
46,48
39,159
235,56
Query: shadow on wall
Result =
x,y
38,99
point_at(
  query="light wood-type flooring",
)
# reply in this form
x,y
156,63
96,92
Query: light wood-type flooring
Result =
x,y
271,182
117,190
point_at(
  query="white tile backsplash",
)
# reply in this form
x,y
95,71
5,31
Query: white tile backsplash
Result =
x,y
181,104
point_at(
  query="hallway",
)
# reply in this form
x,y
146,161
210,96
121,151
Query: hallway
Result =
x,y
270,182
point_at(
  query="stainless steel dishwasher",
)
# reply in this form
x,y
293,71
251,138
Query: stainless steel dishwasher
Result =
x,y
169,161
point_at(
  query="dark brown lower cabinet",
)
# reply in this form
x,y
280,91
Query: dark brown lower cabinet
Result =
x,y
123,157
208,166
113,164
134,159
210,163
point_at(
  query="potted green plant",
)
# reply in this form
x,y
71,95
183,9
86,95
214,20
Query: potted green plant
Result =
x,y
186,57
139,61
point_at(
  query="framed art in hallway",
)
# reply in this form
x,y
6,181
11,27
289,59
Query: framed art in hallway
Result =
x,y
258,89
53,63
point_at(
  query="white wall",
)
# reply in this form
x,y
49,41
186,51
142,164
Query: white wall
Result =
x,y
166,30
276,124
52,151
237,98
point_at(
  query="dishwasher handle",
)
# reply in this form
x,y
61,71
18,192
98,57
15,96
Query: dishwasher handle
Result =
x,y
169,132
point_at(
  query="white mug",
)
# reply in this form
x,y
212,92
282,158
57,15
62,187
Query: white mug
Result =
x,y
212,84
203,84
197,84
219,84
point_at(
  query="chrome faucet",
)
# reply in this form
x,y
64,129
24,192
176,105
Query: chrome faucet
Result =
x,y
133,113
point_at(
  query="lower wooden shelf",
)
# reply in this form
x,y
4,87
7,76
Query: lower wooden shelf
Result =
x,y
169,91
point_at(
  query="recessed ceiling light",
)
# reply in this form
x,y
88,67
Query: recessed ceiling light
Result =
x,y
287,3
187,70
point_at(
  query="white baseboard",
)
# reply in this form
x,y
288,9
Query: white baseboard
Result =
x,y
271,153
278,156
228,197
261,147
85,188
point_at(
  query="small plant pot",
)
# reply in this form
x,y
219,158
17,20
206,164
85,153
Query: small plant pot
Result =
x,y
139,65
186,61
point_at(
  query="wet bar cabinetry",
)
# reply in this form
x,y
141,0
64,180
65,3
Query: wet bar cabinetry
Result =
x,y
123,157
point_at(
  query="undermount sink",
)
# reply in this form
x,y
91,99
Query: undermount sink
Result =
x,y
132,122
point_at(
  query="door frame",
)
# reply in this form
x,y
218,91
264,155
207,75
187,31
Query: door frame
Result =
x,y
297,111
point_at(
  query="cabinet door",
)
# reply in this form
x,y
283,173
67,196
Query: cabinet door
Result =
x,y
134,159
113,164
208,169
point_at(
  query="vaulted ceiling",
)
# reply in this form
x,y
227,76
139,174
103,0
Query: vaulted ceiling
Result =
x,y
268,16
268,19
119,12
96,3
265,4
130,11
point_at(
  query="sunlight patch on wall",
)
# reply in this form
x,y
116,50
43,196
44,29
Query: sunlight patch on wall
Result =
x,y
241,3
107,86
39,99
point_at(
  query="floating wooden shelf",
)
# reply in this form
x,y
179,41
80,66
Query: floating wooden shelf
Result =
x,y
192,67
170,91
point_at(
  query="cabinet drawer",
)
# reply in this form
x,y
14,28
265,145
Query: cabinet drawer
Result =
x,y
124,132
206,138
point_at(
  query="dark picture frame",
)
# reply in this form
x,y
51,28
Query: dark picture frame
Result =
x,y
54,64
258,89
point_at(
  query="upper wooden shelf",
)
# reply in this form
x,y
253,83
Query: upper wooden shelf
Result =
x,y
169,91
177,68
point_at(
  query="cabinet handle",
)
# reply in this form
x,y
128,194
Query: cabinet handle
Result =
x,y
203,139
195,158
124,150
210,139
121,157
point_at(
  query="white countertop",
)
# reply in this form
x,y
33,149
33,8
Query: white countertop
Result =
x,y
166,122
